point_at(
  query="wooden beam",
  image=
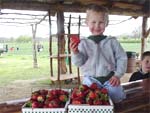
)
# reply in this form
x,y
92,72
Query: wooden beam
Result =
x,y
127,6
128,9
144,27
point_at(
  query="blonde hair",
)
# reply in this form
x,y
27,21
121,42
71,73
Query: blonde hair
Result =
x,y
98,9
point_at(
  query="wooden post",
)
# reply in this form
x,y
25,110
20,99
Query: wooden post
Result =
x,y
50,44
34,28
69,52
61,44
78,71
144,28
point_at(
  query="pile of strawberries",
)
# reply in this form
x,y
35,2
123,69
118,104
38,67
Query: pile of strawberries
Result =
x,y
92,95
48,99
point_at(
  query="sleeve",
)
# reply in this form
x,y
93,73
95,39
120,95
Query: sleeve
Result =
x,y
80,58
120,58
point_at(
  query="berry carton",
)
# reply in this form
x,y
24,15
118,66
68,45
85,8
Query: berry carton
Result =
x,y
90,99
47,101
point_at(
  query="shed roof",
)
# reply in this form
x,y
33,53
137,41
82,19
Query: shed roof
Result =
x,y
118,7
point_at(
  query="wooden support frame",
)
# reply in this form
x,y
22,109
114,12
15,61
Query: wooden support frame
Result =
x,y
145,33
62,55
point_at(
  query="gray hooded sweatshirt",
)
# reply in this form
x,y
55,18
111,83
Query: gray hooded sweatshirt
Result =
x,y
99,59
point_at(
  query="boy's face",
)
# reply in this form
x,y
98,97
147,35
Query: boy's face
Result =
x,y
96,23
146,64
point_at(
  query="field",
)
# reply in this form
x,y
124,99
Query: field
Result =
x,y
18,64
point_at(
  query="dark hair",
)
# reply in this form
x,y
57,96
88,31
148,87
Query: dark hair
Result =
x,y
146,53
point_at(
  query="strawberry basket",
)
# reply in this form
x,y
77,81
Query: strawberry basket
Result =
x,y
47,101
90,99
84,108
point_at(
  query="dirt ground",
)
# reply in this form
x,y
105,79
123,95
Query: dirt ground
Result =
x,y
21,89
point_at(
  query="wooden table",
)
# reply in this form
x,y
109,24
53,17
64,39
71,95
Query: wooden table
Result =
x,y
138,98
137,101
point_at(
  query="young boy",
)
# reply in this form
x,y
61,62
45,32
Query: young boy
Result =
x,y
144,71
101,58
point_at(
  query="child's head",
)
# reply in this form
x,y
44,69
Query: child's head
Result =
x,y
145,62
96,19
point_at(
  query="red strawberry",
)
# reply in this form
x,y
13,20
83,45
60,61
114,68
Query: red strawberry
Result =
x,y
76,102
83,87
62,92
104,91
46,102
92,95
53,104
35,104
86,92
34,96
43,92
63,98
75,38
79,94
54,92
93,86
73,95
98,91
50,97
97,102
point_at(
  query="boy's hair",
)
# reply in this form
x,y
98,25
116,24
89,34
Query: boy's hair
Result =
x,y
146,53
98,8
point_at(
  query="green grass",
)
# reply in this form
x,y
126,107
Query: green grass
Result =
x,y
18,65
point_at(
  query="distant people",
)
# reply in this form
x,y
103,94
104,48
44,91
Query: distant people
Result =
x,y
12,49
17,48
39,47
144,71
6,48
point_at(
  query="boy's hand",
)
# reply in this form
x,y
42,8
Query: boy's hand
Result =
x,y
114,81
74,41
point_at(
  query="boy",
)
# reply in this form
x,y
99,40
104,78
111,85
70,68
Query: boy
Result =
x,y
101,58
144,71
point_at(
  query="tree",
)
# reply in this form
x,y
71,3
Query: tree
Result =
x,y
24,38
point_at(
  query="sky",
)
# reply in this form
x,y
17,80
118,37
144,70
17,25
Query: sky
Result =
x,y
114,29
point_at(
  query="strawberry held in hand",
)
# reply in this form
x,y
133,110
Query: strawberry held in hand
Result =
x,y
74,41
74,38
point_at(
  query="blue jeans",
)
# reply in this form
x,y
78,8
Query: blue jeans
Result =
x,y
116,93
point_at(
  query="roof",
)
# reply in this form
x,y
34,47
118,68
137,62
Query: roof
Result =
x,y
118,7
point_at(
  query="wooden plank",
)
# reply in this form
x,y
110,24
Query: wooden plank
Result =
x,y
60,56
138,98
